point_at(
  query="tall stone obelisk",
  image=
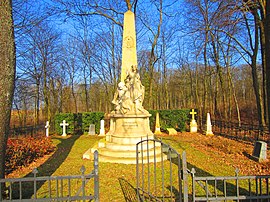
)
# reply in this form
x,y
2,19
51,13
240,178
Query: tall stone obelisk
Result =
x,y
129,52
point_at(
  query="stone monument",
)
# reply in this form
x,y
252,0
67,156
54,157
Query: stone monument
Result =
x,y
157,127
129,121
193,123
208,126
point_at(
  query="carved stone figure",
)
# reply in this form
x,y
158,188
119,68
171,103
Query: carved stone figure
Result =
x,y
122,99
130,95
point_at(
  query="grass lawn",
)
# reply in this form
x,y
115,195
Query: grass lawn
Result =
x,y
215,156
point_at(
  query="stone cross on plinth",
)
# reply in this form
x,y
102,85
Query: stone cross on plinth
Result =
x,y
193,123
47,128
64,124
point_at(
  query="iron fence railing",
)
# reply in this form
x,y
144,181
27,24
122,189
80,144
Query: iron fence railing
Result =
x,y
161,172
230,188
167,178
32,131
53,188
247,132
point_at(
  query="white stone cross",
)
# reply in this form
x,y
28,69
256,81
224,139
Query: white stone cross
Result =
x,y
47,128
193,114
64,124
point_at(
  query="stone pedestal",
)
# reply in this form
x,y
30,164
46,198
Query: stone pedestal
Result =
x,y
129,129
193,126
120,143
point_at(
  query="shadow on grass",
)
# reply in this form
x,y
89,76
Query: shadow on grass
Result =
x,y
47,168
205,187
128,190
231,189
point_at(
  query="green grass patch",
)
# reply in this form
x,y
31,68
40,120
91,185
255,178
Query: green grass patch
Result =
x,y
114,178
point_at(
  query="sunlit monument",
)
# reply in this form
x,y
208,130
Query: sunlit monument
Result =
x,y
129,121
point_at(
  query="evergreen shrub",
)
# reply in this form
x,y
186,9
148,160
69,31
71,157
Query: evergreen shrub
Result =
x,y
79,123
170,119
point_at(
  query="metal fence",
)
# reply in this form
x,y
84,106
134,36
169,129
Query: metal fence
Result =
x,y
247,132
27,131
227,188
161,172
53,188
162,175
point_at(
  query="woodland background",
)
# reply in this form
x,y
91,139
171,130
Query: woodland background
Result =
x,y
208,55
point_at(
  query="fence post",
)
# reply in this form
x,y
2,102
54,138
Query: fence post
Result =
x,y
237,182
96,179
1,192
193,184
185,176
83,181
35,171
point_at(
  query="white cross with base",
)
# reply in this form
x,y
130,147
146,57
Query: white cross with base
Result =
x,y
193,114
47,128
64,124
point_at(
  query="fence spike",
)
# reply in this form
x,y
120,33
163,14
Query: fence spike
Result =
x,y
237,171
35,171
193,171
82,169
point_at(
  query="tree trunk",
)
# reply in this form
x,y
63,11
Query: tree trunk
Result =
x,y
267,51
7,76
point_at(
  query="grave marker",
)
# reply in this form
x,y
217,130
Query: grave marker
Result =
x,y
157,128
193,123
64,124
92,130
260,151
209,126
47,126
102,128
172,131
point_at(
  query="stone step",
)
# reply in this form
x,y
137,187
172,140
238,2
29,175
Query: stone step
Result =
x,y
118,139
130,160
128,153
130,147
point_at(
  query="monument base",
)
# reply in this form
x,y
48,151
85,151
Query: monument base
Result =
x,y
157,131
125,132
193,126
